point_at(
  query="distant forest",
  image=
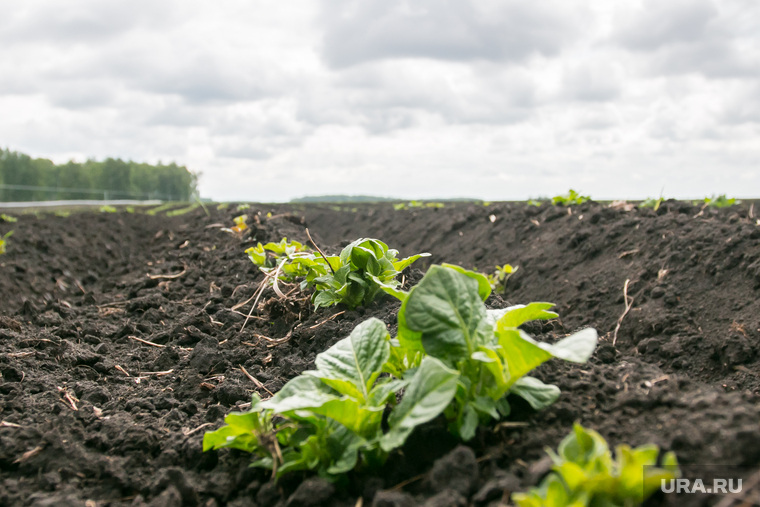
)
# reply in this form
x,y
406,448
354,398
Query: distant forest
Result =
x,y
23,178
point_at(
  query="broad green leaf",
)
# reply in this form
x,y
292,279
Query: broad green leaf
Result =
x,y
535,392
446,309
301,392
325,298
343,446
430,391
391,289
402,264
518,315
352,365
354,415
522,354
484,286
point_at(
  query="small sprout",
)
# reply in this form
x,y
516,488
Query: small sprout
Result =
x,y
3,241
570,199
498,280
8,218
108,209
720,202
243,207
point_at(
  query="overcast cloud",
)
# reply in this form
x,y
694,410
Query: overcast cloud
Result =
x,y
495,99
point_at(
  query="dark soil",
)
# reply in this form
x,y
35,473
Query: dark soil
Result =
x,y
93,415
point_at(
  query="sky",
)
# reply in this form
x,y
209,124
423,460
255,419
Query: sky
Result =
x,y
490,99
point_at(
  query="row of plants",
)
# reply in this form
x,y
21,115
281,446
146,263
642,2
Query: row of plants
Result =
x,y
451,357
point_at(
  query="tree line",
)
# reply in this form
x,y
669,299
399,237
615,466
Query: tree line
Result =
x,y
23,178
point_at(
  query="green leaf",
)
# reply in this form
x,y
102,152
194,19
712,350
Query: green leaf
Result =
x,y
302,392
430,391
522,354
343,447
447,311
515,316
535,392
402,264
352,365
484,286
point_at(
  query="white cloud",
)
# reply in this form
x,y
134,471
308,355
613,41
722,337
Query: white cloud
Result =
x,y
506,31
486,98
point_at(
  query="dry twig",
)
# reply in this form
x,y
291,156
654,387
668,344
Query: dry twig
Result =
x,y
168,277
320,251
628,303
146,342
255,380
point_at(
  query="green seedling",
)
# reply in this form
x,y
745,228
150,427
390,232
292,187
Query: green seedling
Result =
x,y
417,204
719,202
222,206
3,241
240,225
355,277
586,475
533,202
159,209
243,207
652,203
8,218
108,209
570,199
182,211
498,280
451,356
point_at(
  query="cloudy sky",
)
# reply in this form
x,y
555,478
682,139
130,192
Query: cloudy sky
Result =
x,y
495,99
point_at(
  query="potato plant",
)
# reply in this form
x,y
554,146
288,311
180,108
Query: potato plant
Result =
x,y
585,474
570,199
720,201
355,277
451,356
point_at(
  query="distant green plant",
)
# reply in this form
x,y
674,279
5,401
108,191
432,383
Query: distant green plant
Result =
x,y
719,202
240,225
108,209
182,211
129,209
354,278
570,199
3,241
650,202
222,206
533,202
417,204
62,213
8,218
243,207
586,475
159,209
498,280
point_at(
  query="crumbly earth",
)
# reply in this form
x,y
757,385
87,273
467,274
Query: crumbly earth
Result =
x,y
122,340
